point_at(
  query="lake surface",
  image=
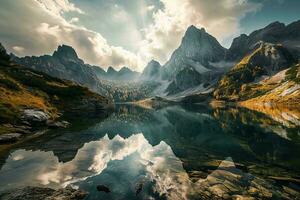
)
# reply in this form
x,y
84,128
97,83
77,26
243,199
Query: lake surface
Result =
x,y
171,153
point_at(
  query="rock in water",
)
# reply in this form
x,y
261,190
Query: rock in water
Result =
x,y
9,137
139,188
103,188
35,116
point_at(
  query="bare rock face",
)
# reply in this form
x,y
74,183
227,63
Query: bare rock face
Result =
x,y
198,49
37,193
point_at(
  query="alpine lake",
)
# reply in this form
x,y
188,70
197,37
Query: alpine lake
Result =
x,y
175,152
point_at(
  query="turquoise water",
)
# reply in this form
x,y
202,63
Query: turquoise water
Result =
x,y
170,153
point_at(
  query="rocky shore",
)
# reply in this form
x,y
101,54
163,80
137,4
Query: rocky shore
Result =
x,y
38,193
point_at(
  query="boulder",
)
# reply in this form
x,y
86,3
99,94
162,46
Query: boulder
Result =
x,y
35,116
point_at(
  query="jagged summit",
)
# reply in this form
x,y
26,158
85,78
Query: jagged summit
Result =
x,y
66,53
110,70
125,70
197,49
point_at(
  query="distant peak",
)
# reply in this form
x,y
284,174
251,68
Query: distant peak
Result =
x,y
65,52
275,24
111,69
125,69
153,62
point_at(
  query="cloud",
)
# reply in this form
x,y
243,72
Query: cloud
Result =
x,y
74,20
46,28
150,8
57,7
220,18
18,49
41,31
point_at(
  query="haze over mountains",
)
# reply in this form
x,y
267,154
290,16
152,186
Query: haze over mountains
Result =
x,y
196,65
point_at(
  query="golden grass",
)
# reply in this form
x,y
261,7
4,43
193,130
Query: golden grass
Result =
x,y
24,99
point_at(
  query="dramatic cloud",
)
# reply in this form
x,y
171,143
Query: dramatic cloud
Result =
x,y
151,30
45,28
220,18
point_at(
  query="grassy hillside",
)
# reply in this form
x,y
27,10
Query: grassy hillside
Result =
x,y
22,88
282,89
240,82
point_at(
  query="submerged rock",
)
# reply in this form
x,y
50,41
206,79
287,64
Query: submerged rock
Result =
x,y
60,124
38,193
103,188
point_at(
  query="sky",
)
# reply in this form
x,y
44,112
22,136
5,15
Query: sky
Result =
x,y
130,32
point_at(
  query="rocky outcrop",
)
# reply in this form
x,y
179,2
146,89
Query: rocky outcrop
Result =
x,y
38,193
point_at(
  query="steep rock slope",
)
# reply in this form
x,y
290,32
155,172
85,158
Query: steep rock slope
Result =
x,y
197,49
196,59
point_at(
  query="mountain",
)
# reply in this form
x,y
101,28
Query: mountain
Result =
x,y
124,74
64,64
198,61
30,99
276,32
264,60
3,55
198,50
151,71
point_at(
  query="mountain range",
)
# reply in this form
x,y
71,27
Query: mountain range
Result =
x,y
31,100
200,64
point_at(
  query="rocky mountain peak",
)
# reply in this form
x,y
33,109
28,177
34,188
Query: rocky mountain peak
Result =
x,y
198,48
66,53
152,70
3,53
2,49
125,70
111,70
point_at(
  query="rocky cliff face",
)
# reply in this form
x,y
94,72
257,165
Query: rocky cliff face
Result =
x,y
197,50
194,62
287,35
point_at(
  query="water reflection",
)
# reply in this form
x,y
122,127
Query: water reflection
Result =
x,y
174,153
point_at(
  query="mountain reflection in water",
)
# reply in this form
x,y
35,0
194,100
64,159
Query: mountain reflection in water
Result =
x,y
172,153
